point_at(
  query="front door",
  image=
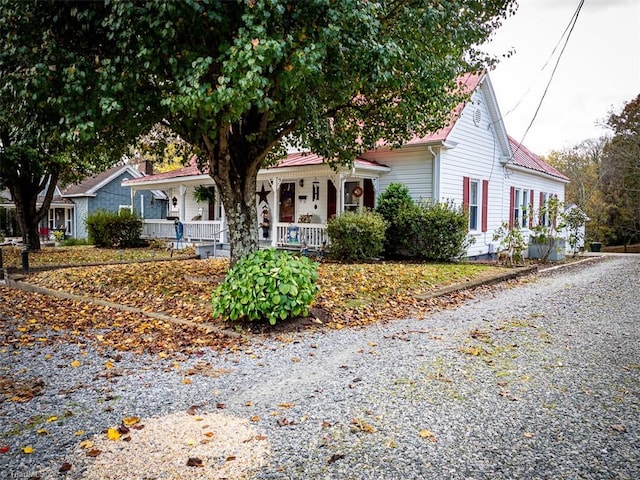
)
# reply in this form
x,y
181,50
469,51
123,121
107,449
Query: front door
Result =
x,y
287,202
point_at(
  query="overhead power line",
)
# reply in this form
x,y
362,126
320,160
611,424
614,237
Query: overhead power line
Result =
x,y
568,31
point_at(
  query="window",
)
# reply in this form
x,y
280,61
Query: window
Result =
x,y
352,196
524,221
287,202
473,204
544,217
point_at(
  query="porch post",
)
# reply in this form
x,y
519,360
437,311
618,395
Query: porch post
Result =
x,y
182,190
275,187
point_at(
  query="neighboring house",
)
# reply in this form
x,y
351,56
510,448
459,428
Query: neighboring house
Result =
x,y
471,162
71,206
105,191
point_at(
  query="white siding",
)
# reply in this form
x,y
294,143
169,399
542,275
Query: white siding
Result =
x,y
412,166
476,155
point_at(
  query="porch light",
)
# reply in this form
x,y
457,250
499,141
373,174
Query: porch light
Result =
x,y
301,182
174,201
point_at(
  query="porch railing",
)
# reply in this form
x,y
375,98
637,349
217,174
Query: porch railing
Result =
x,y
202,230
314,235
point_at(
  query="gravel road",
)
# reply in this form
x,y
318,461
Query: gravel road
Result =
x,y
536,381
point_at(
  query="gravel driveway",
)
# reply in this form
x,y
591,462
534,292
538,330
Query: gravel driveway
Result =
x,y
536,381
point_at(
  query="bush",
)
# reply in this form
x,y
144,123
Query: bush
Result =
x,y
433,231
74,242
267,284
395,198
356,236
114,230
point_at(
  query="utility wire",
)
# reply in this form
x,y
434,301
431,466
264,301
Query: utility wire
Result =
x,y
546,63
572,24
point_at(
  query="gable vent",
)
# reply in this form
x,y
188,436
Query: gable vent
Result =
x,y
477,117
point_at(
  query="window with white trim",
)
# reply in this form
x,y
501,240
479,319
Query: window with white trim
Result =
x,y
474,194
524,209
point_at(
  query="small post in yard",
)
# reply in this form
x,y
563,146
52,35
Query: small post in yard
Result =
x,y
1,268
25,260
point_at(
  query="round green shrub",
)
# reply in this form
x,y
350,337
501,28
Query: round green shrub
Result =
x,y
356,236
267,284
394,199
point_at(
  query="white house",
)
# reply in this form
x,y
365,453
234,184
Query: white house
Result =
x,y
471,162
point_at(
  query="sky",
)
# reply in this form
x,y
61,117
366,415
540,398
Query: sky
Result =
x,y
597,73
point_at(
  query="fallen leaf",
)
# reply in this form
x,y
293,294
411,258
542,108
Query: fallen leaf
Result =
x,y
130,421
75,363
187,381
619,428
220,405
113,434
79,433
194,462
109,364
4,449
335,457
52,419
260,437
94,452
208,434
65,467
428,434
42,431
230,458
255,418
527,435
28,449
86,444
286,405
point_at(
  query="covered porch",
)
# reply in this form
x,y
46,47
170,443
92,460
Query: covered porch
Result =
x,y
294,201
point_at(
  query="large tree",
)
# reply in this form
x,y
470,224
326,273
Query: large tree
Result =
x,y
620,173
236,78
581,164
55,126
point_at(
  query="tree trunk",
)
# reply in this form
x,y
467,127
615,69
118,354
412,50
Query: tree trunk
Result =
x,y
240,207
25,196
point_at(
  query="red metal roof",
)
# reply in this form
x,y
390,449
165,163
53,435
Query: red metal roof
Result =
x,y
468,83
303,159
188,171
524,157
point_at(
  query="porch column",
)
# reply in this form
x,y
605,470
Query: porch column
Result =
x,y
275,212
182,190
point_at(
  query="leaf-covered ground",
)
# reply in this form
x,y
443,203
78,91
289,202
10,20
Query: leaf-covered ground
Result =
x,y
81,255
356,294
350,295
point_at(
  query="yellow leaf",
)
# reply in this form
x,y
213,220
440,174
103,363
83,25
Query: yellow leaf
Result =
x,y
100,337
75,364
187,381
113,434
128,421
288,68
286,405
79,433
373,344
52,419
41,339
86,444
48,356
255,418
28,449
109,364
426,433
42,431
22,329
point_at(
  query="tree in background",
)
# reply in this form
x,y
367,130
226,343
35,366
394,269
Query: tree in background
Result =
x,y
582,165
236,78
620,174
55,127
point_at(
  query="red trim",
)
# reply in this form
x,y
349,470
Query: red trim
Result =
x,y
485,205
512,200
540,207
465,193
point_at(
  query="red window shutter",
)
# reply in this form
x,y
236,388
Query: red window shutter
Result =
x,y
540,207
531,209
465,193
485,205
512,200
